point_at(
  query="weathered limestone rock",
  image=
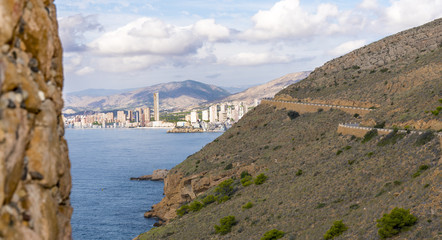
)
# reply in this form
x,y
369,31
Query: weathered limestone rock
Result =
x,y
157,175
179,189
35,180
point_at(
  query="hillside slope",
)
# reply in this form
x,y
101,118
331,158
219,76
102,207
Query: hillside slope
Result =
x,y
401,75
266,90
317,176
173,95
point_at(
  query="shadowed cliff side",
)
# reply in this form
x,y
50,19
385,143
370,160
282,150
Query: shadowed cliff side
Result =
x,y
35,180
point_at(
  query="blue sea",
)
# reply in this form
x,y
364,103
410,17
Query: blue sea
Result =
x,y
107,205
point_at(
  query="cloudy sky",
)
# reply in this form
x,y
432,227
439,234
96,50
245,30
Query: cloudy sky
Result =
x,y
135,43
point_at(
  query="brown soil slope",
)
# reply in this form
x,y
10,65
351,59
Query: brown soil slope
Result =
x,y
315,175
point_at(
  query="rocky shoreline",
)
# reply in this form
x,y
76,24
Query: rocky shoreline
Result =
x,y
157,175
185,130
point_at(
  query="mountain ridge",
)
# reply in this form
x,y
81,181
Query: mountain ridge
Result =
x,y
266,90
178,94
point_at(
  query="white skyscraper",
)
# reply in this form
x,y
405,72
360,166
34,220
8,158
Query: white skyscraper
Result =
x,y
156,106
205,115
213,113
193,117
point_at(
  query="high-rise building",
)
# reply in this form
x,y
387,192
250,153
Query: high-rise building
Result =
x,y
109,117
129,116
213,113
146,113
121,117
193,117
136,116
156,106
205,115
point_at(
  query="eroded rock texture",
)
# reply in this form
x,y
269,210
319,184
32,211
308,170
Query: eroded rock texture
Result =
x,y
35,179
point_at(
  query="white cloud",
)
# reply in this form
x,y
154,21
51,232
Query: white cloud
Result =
x,y
150,36
404,14
84,71
71,61
347,47
253,59
287,19
128,63
73,28
213,32
149,41
369,4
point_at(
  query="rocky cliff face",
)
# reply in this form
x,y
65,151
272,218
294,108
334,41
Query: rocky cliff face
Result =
x,y
35,179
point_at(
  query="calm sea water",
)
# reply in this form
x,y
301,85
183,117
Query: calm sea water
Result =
x,y
107,205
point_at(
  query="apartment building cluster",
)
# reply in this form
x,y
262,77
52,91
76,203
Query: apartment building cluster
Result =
x,y
217,114
140,117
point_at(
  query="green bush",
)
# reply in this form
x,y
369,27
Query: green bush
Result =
x,y
273,234
226,224
292,114
208,199
370,135
260,179
229,166
277,147
247,180
299,172
335,230
398,220
244,174
423,167
225,188
380,125
195,206
247,205
320,205
424,138
420,170
391,138
354,206
182,210
221,199
339,152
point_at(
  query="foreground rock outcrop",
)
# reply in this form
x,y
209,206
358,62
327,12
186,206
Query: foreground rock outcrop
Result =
x,y
35,180
157,175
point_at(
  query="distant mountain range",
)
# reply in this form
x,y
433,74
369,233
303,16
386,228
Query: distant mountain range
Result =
x,y
98,92
173,95
267,89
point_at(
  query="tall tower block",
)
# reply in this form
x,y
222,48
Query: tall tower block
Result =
x,y
156,106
